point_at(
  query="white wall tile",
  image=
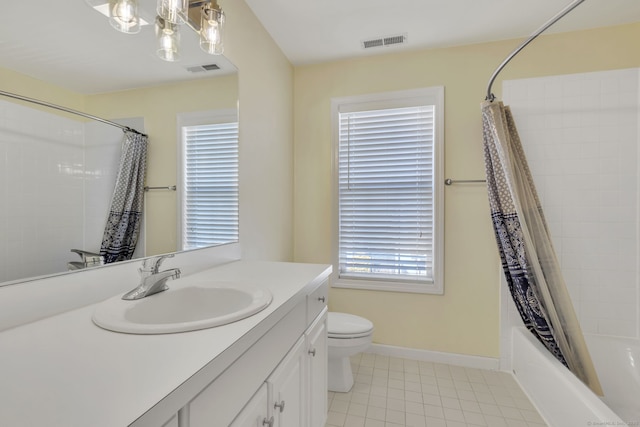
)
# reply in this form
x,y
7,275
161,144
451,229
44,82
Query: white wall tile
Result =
x,y
582,147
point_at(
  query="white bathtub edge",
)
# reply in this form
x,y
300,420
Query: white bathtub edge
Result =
x,y
558,395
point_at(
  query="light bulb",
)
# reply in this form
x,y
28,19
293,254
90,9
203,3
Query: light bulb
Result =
x,y
125,11
168,38
211,32
123,16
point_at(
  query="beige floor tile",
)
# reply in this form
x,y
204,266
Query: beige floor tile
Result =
x,y
395,392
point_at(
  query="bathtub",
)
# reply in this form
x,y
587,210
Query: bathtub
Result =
x,y
563,400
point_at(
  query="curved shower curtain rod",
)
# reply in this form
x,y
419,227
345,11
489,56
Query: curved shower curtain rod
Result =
x,y
69,110
490,96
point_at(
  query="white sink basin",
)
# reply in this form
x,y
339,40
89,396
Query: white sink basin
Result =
x,y
182,309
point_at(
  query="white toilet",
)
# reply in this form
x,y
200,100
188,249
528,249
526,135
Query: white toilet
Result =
x,y
348,335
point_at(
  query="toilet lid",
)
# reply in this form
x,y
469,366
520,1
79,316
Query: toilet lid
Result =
x,y
347,324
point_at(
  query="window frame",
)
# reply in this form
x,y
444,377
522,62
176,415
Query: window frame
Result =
x,y
387,100
197,118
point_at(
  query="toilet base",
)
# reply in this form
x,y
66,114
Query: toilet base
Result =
x,y
340,378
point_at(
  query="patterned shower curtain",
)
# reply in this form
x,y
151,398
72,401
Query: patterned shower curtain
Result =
x,y
524,242
123,224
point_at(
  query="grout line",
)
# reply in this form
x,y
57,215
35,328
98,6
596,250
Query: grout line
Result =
x,y
420,394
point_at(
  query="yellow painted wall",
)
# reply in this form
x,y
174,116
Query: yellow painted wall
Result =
x,y
17,83
466,318
266,136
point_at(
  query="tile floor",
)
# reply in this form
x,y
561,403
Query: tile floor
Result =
x,y
393,392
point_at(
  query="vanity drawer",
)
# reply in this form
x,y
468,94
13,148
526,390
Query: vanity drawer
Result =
x,y
317,301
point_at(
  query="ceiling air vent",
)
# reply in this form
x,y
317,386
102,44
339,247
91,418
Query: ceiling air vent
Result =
x,y
384,41
201,68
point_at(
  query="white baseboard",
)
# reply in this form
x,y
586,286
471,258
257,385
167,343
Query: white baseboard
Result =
x,y
468,361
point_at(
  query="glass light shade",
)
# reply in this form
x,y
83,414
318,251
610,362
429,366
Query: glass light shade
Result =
x,y
212,31
173,11
123,16
168,38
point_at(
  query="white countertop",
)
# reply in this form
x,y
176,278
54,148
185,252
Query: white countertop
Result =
x,y
66,371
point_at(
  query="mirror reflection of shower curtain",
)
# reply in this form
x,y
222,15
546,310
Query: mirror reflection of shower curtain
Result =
x,y
123,223
528,259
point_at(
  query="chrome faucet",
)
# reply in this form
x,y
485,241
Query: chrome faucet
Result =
x,y
152,281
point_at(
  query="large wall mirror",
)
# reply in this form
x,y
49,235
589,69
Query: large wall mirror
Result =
x,y
57,169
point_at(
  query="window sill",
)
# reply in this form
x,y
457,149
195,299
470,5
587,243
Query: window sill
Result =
x,y
389,286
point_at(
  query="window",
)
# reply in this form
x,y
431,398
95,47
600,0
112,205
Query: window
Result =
x,y
388,187
209,179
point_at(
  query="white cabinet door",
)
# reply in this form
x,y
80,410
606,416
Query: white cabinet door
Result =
x,y
317,366
255,413
287,386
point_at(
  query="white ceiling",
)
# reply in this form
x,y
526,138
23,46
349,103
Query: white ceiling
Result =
x,y
67,43
310,31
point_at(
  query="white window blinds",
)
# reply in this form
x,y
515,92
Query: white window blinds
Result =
x,y
386,194
210,189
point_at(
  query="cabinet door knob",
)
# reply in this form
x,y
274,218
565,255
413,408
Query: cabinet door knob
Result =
x,y
279,405
312,352
321,299
268,422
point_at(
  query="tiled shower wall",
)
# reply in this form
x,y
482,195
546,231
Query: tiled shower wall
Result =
x,y
53,170
581,135
41,211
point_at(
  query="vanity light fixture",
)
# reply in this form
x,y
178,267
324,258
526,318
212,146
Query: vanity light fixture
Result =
x,y
205,17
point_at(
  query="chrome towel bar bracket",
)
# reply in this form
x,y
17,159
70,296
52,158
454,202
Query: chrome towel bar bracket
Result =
x,y
169,187
462,181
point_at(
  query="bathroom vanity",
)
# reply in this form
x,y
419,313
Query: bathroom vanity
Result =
x,y
265,370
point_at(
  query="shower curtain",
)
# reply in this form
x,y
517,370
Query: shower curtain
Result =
x,y
123,224
526,251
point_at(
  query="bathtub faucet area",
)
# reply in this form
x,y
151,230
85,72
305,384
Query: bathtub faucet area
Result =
x,y
88,259
152,280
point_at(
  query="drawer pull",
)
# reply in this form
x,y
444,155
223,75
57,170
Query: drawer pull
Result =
x,y
321,299
312,352
268,422
279,405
